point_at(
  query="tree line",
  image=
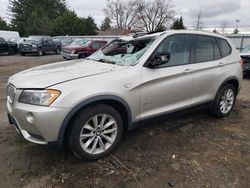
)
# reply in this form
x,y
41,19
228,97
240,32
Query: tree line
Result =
x,y
53,17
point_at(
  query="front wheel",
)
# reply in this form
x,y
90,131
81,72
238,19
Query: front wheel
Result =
x,y
95,132
224,101
11,51
39,52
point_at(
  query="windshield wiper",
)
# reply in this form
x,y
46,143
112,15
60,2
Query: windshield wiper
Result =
x,y
106,61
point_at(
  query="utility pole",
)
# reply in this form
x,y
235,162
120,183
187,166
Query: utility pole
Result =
x,y
237,23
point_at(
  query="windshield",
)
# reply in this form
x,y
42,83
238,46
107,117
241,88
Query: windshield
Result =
x,y
66,41
123,52
35,38
76,41
246,49
14,40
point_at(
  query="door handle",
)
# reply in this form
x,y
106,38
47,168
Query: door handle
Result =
x,y
186,71
221,64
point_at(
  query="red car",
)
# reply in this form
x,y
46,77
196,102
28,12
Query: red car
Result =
x,y
81,48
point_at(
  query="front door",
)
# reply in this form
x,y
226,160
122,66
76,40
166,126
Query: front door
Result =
x,y
168,87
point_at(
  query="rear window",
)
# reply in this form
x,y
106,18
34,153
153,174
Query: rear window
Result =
x,y
203,49
224,47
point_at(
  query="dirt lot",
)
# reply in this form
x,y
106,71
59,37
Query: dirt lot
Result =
x,y
195,150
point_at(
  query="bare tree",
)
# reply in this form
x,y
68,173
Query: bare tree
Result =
x,y
154,15
199,23
123,13
143,14
223,26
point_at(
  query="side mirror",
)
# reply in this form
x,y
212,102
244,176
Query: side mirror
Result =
x,y
159,59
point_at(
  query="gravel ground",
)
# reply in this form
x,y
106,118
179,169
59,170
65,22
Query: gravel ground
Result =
x,y
194,150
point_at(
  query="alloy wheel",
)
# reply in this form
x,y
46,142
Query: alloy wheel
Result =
x,y
98,134
227,101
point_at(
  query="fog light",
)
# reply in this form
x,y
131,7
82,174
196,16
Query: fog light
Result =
x,y
30,118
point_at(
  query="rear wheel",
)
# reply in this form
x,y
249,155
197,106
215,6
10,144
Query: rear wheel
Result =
x,y
95,132
224,101
58,50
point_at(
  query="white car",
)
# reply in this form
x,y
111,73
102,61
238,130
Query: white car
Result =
x,y
90,103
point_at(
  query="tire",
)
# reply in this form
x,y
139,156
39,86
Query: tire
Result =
x,y
226,96
58,50
23,54
80,56
95,143
39,52
11,51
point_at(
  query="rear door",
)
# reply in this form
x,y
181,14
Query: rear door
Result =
x,y
168,87
209,69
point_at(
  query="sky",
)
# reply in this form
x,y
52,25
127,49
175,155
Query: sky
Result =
x,y
215,13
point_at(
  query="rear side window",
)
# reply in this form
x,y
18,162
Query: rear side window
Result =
x,y
103,43
217,54
203,49
224,47
96,45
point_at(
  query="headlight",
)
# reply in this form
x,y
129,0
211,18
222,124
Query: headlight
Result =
x,y
39,97
34,45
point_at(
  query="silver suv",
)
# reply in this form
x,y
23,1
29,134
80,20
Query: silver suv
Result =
x,y
88,104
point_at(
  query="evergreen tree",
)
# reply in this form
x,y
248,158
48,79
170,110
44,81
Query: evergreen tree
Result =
x,y
236,31
68,24
35,16
106,24
3,24
90,26
178,24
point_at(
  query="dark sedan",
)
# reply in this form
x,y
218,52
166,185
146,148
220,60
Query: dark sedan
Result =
x,y
245,56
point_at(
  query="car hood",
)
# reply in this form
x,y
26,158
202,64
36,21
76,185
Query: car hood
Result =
x,y
29,42
56,73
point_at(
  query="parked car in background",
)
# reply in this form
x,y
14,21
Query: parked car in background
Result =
x,y
88,104
7,46
17,41
7,35
245,56
21,40
64,40
39,45
81,48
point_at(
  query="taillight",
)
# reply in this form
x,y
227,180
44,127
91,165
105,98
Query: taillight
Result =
x,y
242,62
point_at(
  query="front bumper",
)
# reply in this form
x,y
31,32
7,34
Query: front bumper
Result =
x,y
69,56
28,50
37,124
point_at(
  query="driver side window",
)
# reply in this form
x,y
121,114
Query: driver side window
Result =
x,y
178,46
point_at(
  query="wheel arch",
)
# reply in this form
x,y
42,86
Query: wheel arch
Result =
x,y
231,80
116,102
